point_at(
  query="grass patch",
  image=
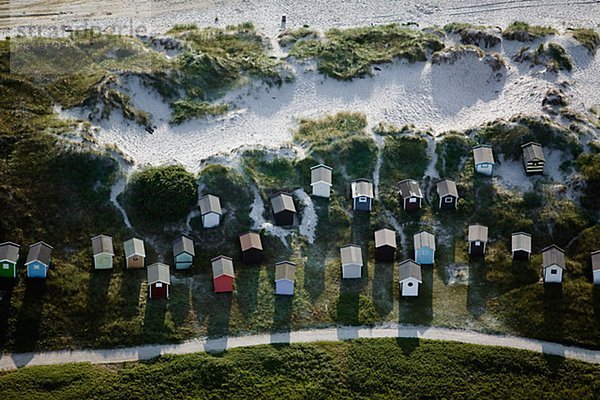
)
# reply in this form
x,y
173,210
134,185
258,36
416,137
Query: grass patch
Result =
x,y
523,32
184,110
350,53
291,36
587,37
452,151
217,60
160,194
507,137
404,157
365,368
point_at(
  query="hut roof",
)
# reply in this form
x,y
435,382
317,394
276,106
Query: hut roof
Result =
x,y
410,188
159,272
9,251
41,252
447,187
553,255
409,269
222,265
134,247
478,232
285,270
250,240
424,239
362,187
320,173
183,244
533,151
209,204
483,154
596,260
102,244
282,201
521,241
351,254
385,237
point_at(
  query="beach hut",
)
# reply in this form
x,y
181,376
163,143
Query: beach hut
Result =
x,y
284,209
9,255
533,158
135,253
320,180
252,249
409,273
352,261
553,264
210,210
596,267
448,194
484,159
38,260
103,252
362,194
478,237
411,194
223,275
385,245
159,281
424,243
521,246
183,252
285,276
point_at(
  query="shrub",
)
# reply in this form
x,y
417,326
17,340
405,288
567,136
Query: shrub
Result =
x,y
523,32
160,194
588,38
452,151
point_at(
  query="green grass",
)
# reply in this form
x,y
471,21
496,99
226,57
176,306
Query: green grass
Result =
x,y
363,368
523,32
350,53
291,36
507,137
452,151
158,195
184,110
404,157
587,37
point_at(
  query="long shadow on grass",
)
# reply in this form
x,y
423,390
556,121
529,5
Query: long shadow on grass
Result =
x,y
129,292
553,312
155,329
29,317
383,288
218,316
282,319
97,294
7,287
247,278
477,291
314,273
419,309
596,302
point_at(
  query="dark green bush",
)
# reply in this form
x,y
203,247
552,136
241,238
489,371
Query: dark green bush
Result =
x,y
160,194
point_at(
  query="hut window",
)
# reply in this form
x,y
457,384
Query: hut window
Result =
x,y
412,200
477,243
158,284
5,266
410,284
134,258
554,271
362,199
447,199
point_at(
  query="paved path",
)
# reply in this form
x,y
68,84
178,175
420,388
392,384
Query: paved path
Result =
x,y
12,361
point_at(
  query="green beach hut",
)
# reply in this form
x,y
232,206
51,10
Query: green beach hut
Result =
x,y
102,247
9,254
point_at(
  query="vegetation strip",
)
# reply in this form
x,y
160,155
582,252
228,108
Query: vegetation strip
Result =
x,y
12,361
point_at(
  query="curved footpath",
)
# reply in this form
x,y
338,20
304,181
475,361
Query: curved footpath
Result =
x,y
129,354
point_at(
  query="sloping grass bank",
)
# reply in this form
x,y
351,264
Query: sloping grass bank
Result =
x,y
358,369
